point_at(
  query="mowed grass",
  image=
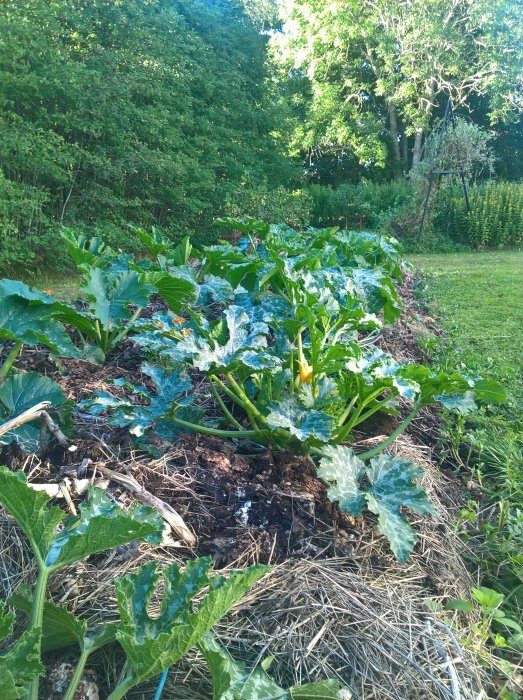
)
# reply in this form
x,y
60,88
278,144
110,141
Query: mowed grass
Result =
x,y
478,300
63,287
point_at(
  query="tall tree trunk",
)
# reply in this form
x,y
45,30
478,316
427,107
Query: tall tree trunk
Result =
x,y
416,151
393,129
418,134
404,149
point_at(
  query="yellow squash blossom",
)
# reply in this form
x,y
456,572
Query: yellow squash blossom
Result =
x,y
305,370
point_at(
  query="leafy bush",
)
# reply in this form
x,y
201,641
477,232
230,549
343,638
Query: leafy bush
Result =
x,y
260,202
357,206
141,112
467,146
495,219
21,223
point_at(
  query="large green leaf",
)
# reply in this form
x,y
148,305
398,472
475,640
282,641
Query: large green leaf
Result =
x,y
110,295
175,291
87,252
154,241
29,509
57,310
454,390
232,681
33,324
393,487
102,524
342,470
379,292
60,628
324,690
20,289
154,644
215,289
20,392
20,664
244,337
301,421
171,389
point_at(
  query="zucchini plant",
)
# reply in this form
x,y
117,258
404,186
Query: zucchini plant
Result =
x,y
151,645
283,329
29,317
117,289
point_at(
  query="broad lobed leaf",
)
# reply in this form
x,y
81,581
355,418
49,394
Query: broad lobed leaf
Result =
x,y
152,645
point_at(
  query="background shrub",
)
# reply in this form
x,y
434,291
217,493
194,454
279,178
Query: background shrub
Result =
x,y
362,205
495,219
278,205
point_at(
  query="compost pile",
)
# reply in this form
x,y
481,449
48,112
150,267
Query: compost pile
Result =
x,y
233,389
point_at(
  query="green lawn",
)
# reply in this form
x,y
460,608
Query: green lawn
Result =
x,y
478,298
64,287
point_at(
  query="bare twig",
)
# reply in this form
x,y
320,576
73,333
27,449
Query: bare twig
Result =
x,y
168,513
32,414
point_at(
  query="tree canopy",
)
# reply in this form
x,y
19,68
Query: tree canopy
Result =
x,y
174,112
133,110
376,70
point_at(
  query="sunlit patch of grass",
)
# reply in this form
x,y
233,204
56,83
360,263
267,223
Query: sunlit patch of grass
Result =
x,y
479,300
63,287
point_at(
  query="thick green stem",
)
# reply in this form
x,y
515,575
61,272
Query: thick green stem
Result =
x,y
383,445
10,360
227,391
299,345
241,434
98,332
37,614
247,403
239,401
224,408
122,688
346,412
377,407
122,334
354,418
77,676
291,368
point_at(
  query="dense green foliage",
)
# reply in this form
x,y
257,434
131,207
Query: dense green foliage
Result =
x,y
283,327
368,77
363,205
142,111
150,645
170,113
495,220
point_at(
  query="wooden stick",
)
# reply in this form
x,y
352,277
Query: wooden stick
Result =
x,y
32,414
168,513
25,417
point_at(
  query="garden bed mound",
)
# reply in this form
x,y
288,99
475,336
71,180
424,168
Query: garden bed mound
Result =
x,y
336,601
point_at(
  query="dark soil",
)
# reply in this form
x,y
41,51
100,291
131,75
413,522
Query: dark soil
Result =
x,y
267,506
